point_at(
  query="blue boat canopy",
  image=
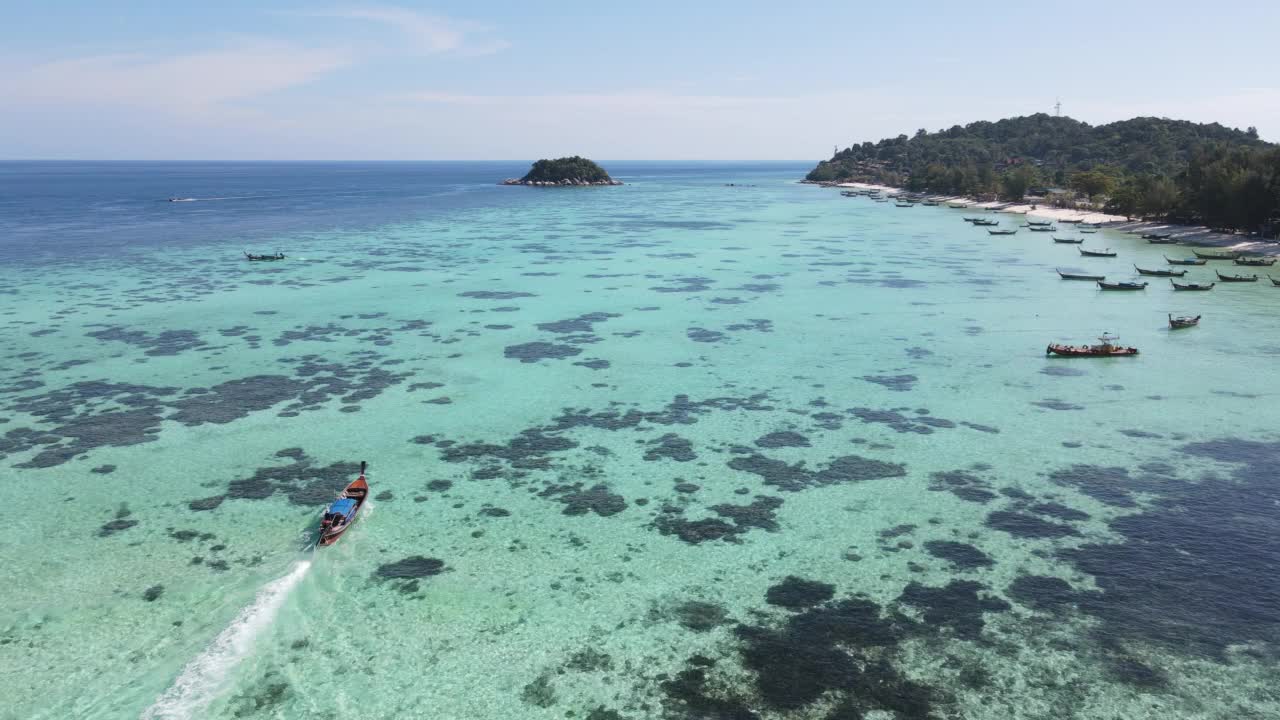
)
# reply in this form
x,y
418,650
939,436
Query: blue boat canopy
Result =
x,y
343,507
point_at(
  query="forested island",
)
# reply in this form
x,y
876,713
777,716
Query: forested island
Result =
x,y
565,171
1203,174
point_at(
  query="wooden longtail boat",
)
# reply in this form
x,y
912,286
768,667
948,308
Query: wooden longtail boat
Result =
x,y
275,256
1236,278
1156,236
1002,232
1070,222
1106,347
1184,261
1177,323
1085,231
1068,241
1042,228
1215,256
1192,286
1274,281
1096,253
1039,223
1255,262
1162,241
1080,276
341,513
986,223
1121,285
1160,273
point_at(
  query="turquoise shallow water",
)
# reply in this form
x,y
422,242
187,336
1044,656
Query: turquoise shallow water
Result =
x,y
671,449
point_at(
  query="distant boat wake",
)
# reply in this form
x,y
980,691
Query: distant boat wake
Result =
x,y
203,678
229,197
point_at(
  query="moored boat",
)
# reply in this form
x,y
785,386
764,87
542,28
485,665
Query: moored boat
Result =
x,y
1087,231
985,223
1177,323
1065,221
1102,285
1039,223
1216,255
1096,253
1274,281
1042,228
1156,236
1002,232
1068,241
1080,276
1184,261
1255,262
1192,286
1160,273
1106,347
277,255
1236,278
341,513
1162,241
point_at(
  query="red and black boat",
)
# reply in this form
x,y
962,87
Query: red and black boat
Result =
x,y
342,512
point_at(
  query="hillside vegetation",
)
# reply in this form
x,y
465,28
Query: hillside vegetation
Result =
x,y
1150,167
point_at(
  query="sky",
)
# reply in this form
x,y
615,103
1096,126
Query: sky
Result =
x,y
499,80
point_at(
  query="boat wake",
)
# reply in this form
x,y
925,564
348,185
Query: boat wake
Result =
x,y
203,678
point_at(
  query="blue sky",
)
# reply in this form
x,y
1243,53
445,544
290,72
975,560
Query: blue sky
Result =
x,y
654,80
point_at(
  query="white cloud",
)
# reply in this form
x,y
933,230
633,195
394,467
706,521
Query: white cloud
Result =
x,y
427,34
189,83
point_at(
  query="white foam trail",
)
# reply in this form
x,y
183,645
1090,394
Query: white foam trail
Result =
x,y
203,678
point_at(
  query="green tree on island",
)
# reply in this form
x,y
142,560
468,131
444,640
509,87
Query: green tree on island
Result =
x,y
566,168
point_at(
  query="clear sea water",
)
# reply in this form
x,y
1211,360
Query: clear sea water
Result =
x,y
676,449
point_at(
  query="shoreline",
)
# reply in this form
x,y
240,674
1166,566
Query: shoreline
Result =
x,y
1196,235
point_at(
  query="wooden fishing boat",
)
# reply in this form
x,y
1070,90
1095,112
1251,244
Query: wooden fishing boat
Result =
x,y
1039,223
1070,222
1192,286
1255,262
1080,276
1121,285
957,207
1160,273
1096,253
1085,231
1274,281
1236,278
342,512
929,203
1184,261
1162,241
1042,228
986,223
274,256
1093,226
1215,255
1177,323
904,204
1106,347
1002,232
1156,236
1068,241
974,219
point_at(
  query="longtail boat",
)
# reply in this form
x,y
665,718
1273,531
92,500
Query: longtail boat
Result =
x,y
1070,222
341,513
1177,323
1215,256
1093,226
1080,276
1185,261
930,203
1192,286
1106,347
986,223
1039,223
973,219
1068,241
1237,278
275,256
1121,285
1156,236
1255,262
1002,232
1162,241
1274,281
1096,253
1087,231
1160,273
907,204
1042,228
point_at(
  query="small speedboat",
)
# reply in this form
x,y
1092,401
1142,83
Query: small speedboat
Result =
x,y
1106,347
1121,285
1177,323
341,513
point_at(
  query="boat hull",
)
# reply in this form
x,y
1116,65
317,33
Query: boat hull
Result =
x,y
358,490
1072,351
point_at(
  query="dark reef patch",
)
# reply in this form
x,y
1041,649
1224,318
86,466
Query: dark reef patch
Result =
x,y
1057,404
582,324
1104,484
534,351
782,438
963,484
703,335
700,616
761,513
795,593
897,383
404,574
494,294
301,481
671,446
597,499
956,606
961,555
1062,371
1023,525
1059,511
793,478
1044,592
